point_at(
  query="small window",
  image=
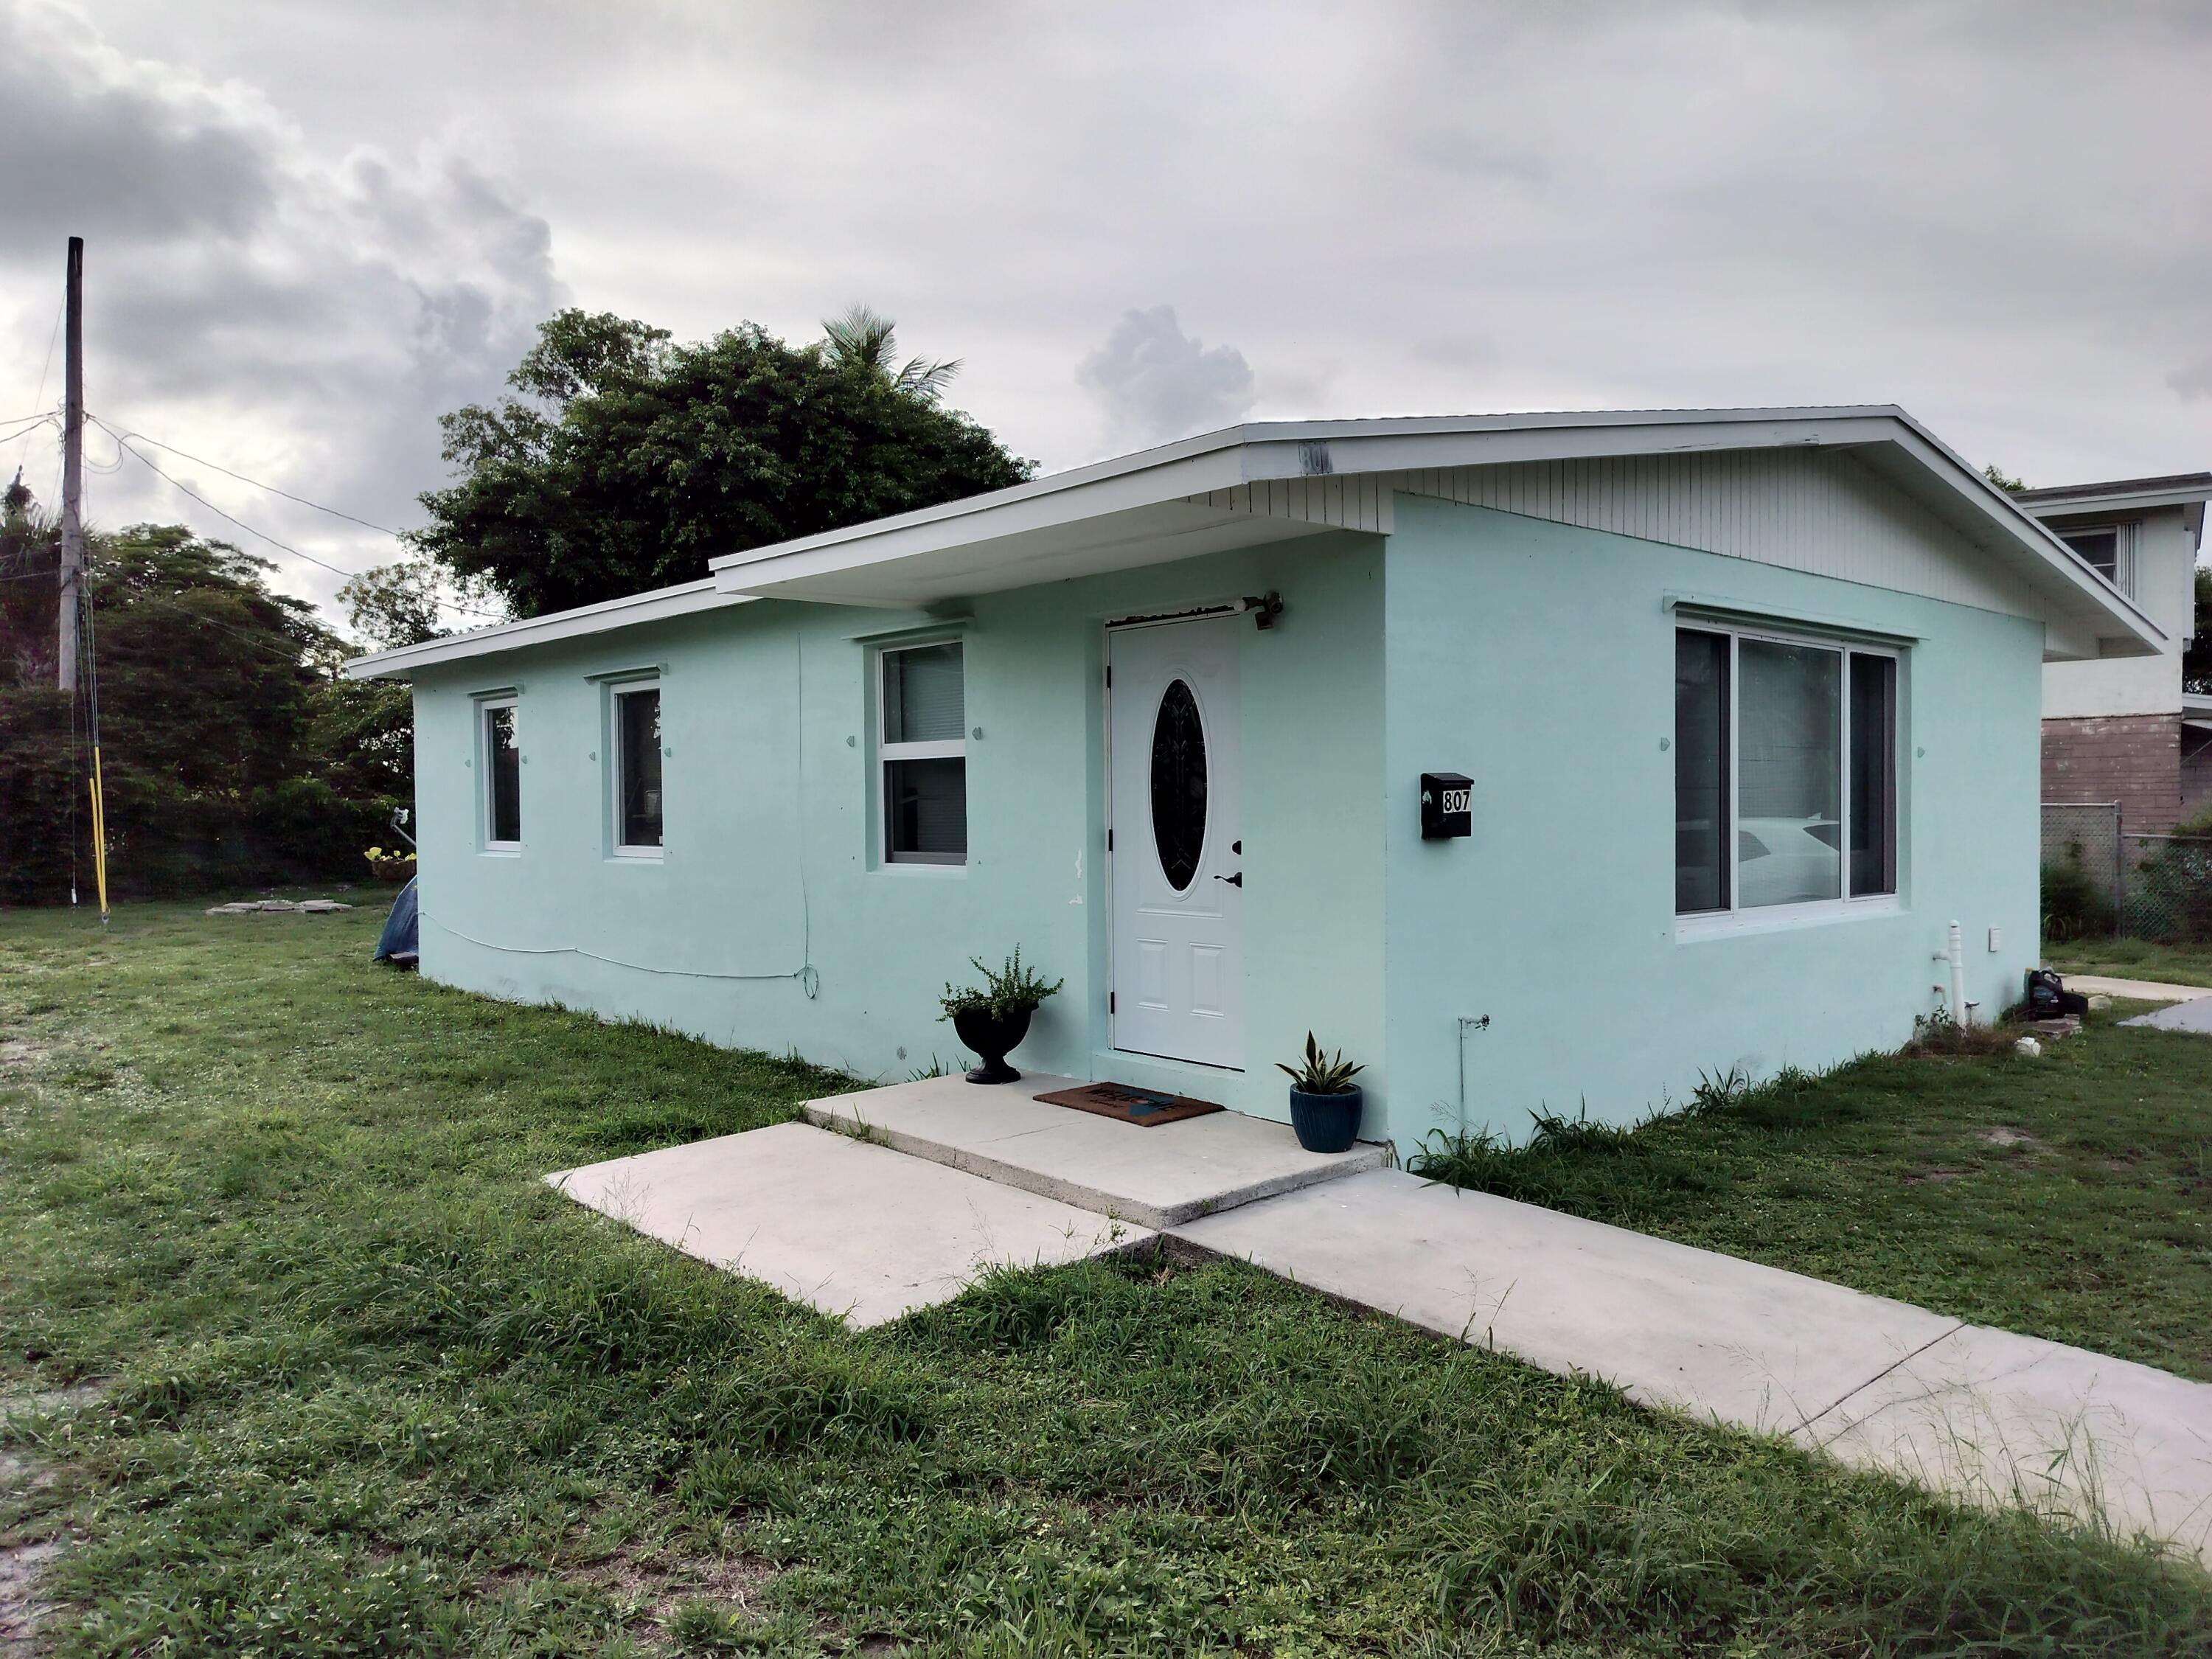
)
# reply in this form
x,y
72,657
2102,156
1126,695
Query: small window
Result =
x,y
1874,775
503,774
2104,549
1701,790
637,769
923,750
1785,773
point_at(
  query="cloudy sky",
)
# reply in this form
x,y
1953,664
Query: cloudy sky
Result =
x,y
313,225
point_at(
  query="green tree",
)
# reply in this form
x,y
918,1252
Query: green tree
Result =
x,y
2003,480
215,698
624,461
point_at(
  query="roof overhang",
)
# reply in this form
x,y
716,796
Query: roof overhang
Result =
x,y
2125,497
1166,504
659,604
1139,509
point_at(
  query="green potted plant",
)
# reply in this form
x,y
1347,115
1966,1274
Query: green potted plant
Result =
x,y
1325,1103
993,1017
390,866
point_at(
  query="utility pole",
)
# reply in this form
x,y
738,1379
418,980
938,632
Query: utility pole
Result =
x,y
72,572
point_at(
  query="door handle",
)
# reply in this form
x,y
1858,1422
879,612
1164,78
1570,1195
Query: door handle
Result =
x,y
1236,880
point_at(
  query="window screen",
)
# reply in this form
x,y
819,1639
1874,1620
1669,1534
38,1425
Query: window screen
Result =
x,y
1701,811
637,724
1874,775
502,777
924,753
1788,773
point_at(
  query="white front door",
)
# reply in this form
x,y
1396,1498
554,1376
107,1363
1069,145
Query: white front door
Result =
x,y
1176,864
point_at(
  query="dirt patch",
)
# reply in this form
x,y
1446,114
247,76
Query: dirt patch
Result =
x,y
22,1051
1932,1177
22,1609
23,1565
2002,1136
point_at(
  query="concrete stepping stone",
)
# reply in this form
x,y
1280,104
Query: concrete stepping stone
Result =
x,y
1156,1176
855,1231
2193,1016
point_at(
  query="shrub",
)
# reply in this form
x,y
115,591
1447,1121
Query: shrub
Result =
x,y
2074,905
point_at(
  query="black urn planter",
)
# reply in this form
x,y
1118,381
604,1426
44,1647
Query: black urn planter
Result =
x,y
992,1035
1327,1123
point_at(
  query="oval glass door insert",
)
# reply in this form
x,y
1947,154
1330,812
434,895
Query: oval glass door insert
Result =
x,y
1178,785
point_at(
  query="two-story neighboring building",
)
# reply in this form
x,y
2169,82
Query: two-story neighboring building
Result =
x,y
2122,729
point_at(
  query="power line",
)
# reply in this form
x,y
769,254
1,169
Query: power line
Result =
x,y
123,445
200,461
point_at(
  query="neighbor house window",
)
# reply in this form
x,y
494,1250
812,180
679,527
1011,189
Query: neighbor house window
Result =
x,y
1785,771
924,755
502,775
637,768
2105,550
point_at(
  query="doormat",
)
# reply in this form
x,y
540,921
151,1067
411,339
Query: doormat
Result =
x,y
1144,1108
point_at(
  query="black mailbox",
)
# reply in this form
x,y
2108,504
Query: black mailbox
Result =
x,y
1447,805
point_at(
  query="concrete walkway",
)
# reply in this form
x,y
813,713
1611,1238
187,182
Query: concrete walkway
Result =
x,y
2195,1015
2138,990
1881,1384
857,1231
911,1191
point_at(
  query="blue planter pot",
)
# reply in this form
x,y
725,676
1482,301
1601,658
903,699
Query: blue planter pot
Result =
x,y
1327,1123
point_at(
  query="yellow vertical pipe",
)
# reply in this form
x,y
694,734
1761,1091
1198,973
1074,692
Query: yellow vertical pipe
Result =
x,y
99,830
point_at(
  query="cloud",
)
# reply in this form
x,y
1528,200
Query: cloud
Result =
x,y
313,228
1155,382
2192,381
295,315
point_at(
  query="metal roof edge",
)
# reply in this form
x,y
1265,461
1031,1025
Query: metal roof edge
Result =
x,y
655,604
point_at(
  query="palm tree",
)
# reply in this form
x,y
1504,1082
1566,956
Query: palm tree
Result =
x,y
862,338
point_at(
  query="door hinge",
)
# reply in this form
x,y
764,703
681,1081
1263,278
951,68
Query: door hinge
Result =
x,y
1109,1002
1109,840
1109,677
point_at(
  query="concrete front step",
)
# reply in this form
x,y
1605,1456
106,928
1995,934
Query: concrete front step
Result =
x,y
1155,1178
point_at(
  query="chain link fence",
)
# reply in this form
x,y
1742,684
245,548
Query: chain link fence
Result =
x,y
2100,878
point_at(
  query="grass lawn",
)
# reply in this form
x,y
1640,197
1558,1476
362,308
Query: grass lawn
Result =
x,y
371,1388
2133,958
2068,1196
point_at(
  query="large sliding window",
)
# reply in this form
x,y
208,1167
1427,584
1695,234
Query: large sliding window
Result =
x,y
923,749
1785,773
500,747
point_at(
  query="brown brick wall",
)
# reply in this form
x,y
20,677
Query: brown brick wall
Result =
x,y
2133,759
2196,774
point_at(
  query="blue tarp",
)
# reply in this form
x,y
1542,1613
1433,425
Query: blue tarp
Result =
x,y
397,942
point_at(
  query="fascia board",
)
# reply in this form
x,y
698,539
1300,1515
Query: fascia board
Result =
x,y
659,605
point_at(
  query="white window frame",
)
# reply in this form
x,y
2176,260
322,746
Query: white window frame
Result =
x,y
615,692
1738,918
887,753
488,794
2124,549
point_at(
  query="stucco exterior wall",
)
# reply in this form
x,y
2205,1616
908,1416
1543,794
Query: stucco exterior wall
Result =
x,y
1537,658
2165,578
770,922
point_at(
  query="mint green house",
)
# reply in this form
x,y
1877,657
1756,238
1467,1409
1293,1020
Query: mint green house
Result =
x,y
1747,705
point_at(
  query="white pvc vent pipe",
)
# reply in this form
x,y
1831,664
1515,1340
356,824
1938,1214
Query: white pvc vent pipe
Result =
x,y
1955,953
